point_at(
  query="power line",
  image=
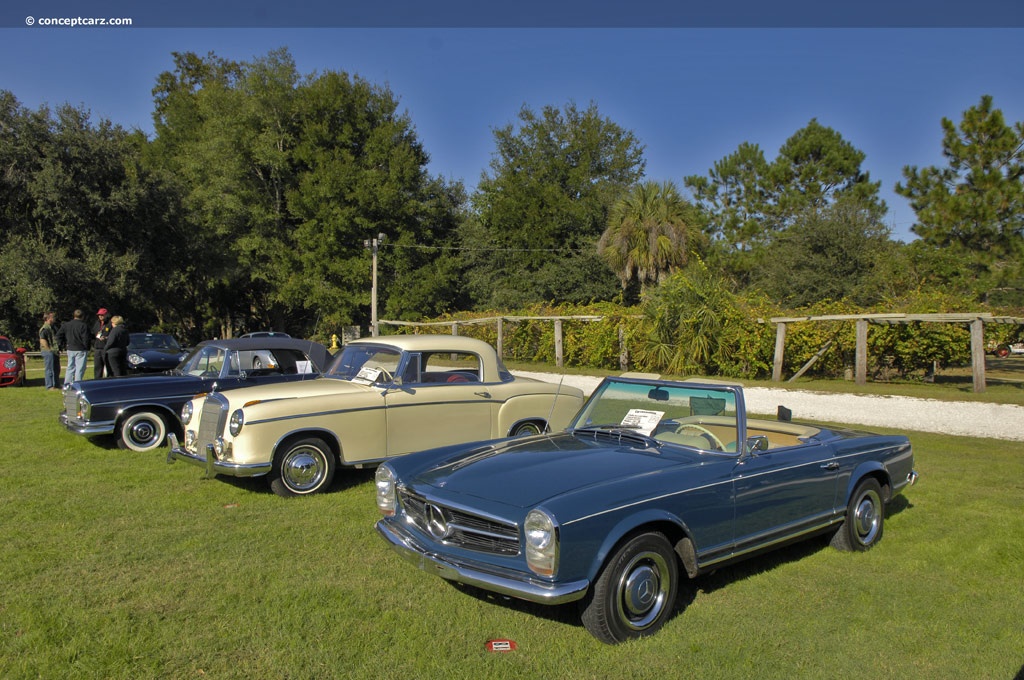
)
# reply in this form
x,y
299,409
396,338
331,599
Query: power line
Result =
x,y
489,250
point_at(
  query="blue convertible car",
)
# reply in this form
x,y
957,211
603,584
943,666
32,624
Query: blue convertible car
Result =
x,y
653,481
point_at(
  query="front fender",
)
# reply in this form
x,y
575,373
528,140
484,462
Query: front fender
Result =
x,y
173,417
607,539
327,435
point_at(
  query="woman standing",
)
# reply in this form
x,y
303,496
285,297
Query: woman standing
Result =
x,y
116,349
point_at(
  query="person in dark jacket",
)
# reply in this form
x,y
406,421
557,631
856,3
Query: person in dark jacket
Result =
x,y
100,331
116,351
74,337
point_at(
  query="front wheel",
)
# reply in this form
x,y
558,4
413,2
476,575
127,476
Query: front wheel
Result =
x,y
865,515
303,467
636,591
143,431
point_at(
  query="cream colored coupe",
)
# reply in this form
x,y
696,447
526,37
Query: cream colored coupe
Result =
x,y
381,397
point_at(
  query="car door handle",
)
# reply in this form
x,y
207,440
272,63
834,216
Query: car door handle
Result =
x,y
485,395
832,465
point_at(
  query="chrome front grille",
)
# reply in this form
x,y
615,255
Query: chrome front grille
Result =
x,y
71,403
211,422
459,528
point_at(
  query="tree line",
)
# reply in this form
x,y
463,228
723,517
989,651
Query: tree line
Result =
x,y
250,205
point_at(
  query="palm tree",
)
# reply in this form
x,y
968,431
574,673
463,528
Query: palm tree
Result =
x,y
648,234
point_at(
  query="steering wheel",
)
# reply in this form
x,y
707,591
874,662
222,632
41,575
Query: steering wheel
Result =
x,y
704,432
383,375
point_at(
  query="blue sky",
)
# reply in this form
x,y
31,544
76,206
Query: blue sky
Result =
x,y
691,95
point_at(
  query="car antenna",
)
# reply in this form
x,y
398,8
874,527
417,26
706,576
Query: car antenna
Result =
x,y
316,327
558,391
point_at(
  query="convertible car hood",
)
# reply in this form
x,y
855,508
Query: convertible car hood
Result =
x,y
526,472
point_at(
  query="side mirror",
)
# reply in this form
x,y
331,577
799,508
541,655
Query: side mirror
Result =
x,y
757,443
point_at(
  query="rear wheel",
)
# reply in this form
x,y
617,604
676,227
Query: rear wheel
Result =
x,y
865,516
635,592
303,467
143,431
527,429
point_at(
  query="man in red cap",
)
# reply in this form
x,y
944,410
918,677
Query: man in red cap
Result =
x,y
100,331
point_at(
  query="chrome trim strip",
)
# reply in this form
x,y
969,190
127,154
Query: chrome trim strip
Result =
x,y
765,546
372,408
648,500
501,581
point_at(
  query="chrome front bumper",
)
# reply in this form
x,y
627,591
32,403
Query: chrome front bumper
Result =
x,y
210,462
487,577
89,429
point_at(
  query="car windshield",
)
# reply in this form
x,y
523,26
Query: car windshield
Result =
x,y
366,364
6,346
152,341
212,361
699,416
204,361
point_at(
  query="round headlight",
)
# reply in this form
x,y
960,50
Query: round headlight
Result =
x,y
386,496
186,413
10,363
541,538
84,408
135,359
236,422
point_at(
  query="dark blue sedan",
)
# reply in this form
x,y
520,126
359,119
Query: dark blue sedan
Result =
x,y
142,410
153,352
654,483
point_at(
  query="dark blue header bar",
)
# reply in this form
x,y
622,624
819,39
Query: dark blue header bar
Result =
x,y
514,14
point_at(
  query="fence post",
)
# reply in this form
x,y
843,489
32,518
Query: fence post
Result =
x,y
623,351
501,337
860,361
780,350
978,354
558,343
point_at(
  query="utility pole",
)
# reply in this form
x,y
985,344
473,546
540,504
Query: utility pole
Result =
x,y
372,245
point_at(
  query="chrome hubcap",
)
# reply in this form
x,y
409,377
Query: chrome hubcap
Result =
x,y
304,469
643,590
866,518
142,433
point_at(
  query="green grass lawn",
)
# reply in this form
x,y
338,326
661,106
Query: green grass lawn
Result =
x,y
117,565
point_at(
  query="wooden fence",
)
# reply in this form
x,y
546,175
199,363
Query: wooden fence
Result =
x,y
500,322
975,321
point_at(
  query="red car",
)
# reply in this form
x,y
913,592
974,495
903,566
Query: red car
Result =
x,y
12,364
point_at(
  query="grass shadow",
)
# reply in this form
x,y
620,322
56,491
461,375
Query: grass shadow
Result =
x,y
569,614
709,582
344,479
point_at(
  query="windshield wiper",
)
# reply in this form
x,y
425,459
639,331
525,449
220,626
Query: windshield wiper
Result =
x,y
620,432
